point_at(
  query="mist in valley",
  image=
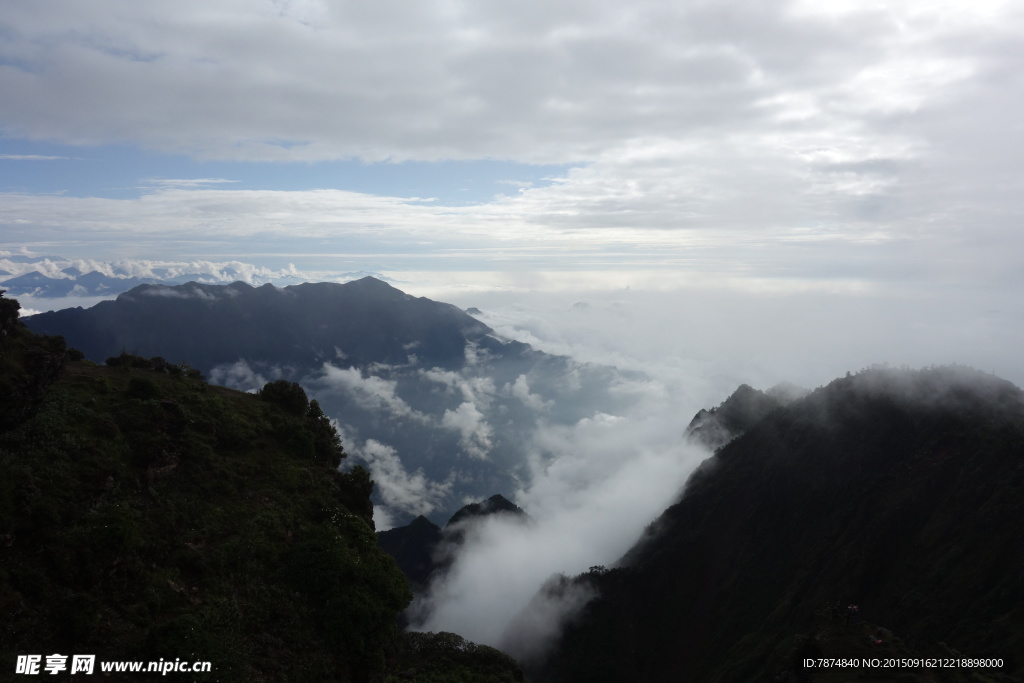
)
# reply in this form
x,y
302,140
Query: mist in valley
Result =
x,y
589,439
594,485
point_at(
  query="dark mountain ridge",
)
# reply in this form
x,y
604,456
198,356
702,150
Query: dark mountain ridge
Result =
x,y
495,505
744,408
77,284
298,324
896,490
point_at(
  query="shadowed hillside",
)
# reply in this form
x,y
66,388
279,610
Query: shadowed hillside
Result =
x,y
894,490
145,514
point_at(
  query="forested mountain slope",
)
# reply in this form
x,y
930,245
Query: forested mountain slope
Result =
x,y
898,491
147,515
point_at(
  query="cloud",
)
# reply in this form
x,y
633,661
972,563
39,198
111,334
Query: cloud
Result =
x,y
479,388
242,376
595,486
781,142
538,625
591,484
705,340
163,292
31,157
400,491
204,270
185,182
475,433
375,393
521,184
521,390
457,80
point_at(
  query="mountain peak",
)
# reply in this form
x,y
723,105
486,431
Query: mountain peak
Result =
x,y
496,504
744,408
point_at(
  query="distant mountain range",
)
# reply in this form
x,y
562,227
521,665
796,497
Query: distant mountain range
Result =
x,y
360,323
896,491
77,284
439,408
48,276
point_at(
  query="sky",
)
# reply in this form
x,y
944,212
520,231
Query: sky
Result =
x,y
786,144
706,192
857,154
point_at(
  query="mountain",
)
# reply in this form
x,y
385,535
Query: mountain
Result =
x,y
56,277
146,515
495,505
744,408
75,284
301,324
413,547
898,491
425,395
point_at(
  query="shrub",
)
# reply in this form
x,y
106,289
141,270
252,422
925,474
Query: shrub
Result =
x,y
288,395
139,387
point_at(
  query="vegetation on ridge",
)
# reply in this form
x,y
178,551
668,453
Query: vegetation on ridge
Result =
x,y
148,515
896,490
145,514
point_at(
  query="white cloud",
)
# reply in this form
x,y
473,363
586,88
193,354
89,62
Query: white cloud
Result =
x,y
208,271
594,486
521,390
185,182
431,80
475,433
374,392
400,491
193,292
474,389
31,157
242,376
